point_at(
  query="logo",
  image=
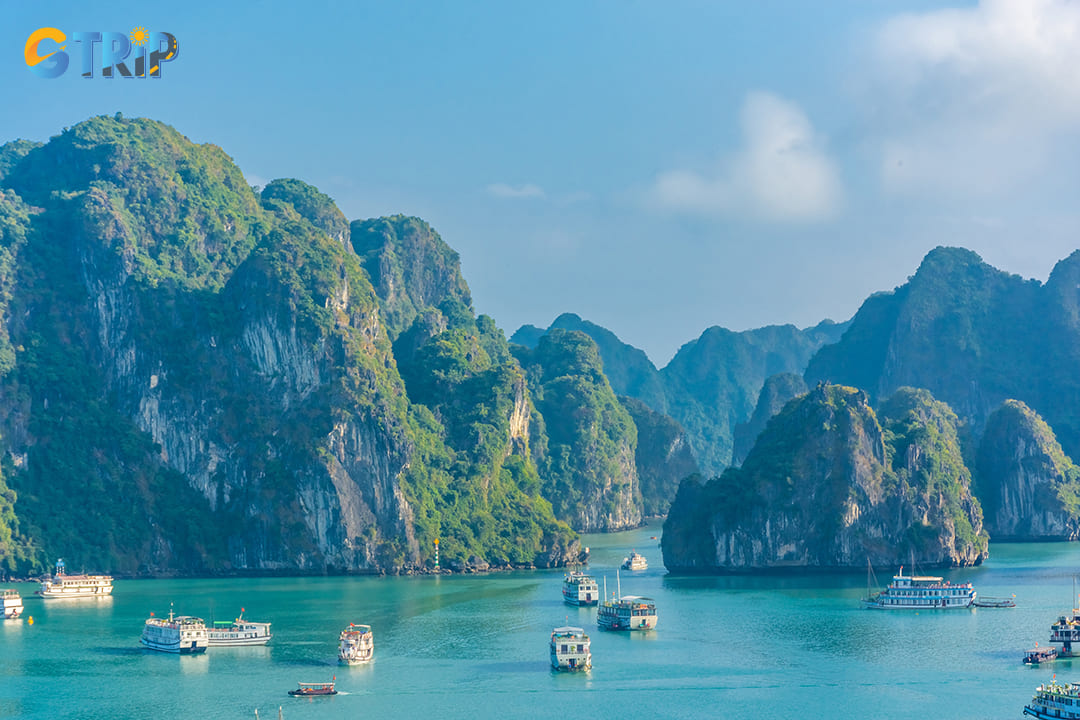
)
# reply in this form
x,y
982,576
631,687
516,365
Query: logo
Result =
x,y
138,54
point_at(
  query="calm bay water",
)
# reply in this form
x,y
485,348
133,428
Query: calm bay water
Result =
x,y
477,647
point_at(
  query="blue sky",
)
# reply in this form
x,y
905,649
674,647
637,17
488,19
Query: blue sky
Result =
x,y
657,168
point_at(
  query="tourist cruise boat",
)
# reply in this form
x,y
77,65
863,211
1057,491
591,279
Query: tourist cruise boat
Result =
x,y
176,634
1055,700
636,561
921,592
63,585
13,606
580,589
1066,630
570,649
357,645
626,612
238,632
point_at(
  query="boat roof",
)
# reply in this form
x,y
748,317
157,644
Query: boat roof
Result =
x,y
353,627
567,630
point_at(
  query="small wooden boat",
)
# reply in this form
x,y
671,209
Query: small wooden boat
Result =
x,y
312,689
994,602
1040,655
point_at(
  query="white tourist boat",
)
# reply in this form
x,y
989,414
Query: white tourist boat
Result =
x,y
570,649
63,585
921,592
357,645
636,561
238,632
13,606
175,634
626,612
580,589
1055,701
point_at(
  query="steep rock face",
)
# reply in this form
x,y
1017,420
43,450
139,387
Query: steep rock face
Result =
x,y
411,268
774,395
219,361
663,458
713,382
627,368
458,366
1028,488
974,336
827,487
587,462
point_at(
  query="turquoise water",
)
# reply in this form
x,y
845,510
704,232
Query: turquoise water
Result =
x,y
477,647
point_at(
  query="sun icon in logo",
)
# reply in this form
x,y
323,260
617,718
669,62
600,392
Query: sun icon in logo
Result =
x,y
139,36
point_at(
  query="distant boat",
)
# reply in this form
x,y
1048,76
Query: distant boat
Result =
x,y
994,602
63,585
181,634
580,589
313,689
636,561
238,632
570,649
921,592
357,645
13,606
1040,655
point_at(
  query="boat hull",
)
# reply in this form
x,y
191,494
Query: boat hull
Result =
x,y
639,623
1045,714
239,642
174,648
571,600
875,605
570,665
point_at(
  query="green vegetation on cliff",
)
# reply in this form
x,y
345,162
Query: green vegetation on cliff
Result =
x,y
974,336
827,485
923,454
663,458
482,495
775,394
628,369
206,376
1029,488
588,467
713,382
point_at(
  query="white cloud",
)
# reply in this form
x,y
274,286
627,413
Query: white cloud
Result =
x,y
781,173
975,100
502,190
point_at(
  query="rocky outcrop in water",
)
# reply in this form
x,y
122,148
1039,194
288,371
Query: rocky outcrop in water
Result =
x,y
1028,488
828,486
